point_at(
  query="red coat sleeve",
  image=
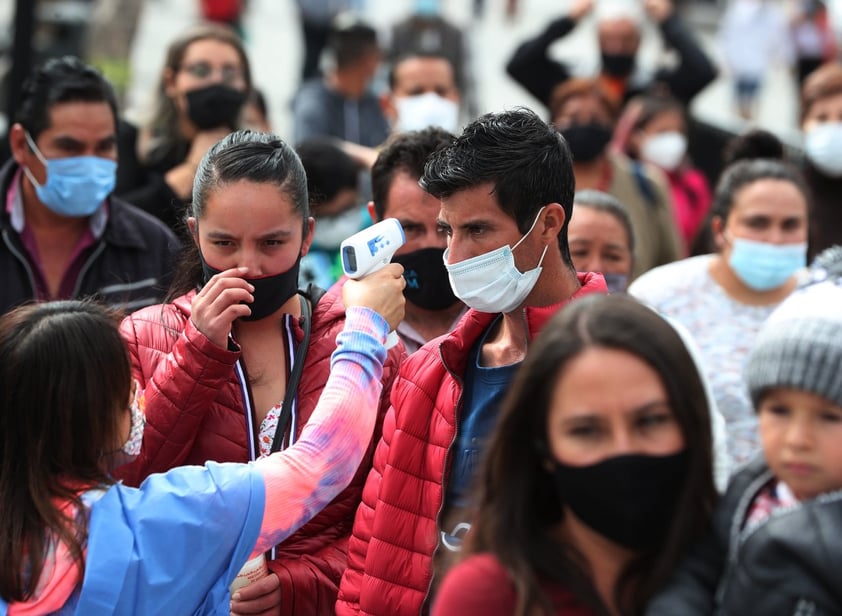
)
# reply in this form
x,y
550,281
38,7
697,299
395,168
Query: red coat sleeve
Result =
x,y
349,590
178,387
477,585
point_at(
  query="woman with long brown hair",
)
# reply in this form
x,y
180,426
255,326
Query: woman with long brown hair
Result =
x,y
598,476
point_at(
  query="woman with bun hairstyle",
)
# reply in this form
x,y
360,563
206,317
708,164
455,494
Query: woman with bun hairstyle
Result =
x,y
217,362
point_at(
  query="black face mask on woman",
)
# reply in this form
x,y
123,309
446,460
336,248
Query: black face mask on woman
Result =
x,y
617,64
215,106
587,141
427,282
270,293
628,499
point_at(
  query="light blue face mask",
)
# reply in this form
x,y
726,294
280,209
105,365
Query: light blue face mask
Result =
x,y
763,266
77,185
427,8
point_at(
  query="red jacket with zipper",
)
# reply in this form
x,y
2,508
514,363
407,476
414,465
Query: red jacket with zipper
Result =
x,y
390,553
195,413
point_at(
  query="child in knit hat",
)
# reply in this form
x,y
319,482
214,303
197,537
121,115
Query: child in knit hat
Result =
x,y
776,543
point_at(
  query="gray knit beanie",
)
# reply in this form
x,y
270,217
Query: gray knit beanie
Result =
x,y
800,345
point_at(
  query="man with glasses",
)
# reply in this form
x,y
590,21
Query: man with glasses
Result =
x,y
63,235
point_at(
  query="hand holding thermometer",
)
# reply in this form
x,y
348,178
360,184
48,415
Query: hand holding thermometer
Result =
x,y
371,249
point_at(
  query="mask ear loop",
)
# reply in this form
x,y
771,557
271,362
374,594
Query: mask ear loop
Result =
x,y
534,222
34,148
38,155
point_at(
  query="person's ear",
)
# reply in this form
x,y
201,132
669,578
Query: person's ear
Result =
x,y
308,237
169,82
193,227
390,110
554,217
372,212
18,144
717,227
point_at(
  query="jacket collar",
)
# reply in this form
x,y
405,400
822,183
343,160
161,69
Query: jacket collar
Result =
x,y
454,346
119,231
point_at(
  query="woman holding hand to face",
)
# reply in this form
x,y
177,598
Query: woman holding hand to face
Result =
x,y
214,364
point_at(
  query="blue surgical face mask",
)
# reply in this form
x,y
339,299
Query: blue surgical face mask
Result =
x,y
427,8
75,186
763,266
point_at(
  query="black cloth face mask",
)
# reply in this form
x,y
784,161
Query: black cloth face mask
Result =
x,y
628,499
587,141
270,293
215,106
427,283
618,65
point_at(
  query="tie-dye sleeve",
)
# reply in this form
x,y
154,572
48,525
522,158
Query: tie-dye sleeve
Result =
x,y
303,479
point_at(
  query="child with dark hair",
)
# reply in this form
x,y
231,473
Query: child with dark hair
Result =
x,y
774,548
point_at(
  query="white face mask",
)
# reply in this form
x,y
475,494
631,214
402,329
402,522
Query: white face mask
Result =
x,y
823,145
665,150
426,110
490,282
331,231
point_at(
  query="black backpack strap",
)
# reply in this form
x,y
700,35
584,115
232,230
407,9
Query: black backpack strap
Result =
x,y
309,299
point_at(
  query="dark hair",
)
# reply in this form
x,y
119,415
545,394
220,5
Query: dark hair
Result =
x,y
824,82
65,382
519,504
407,152
61,80
746,172
753,144
244,155
164,135
412,55
329,169
350,40
577,87
527,161
603,202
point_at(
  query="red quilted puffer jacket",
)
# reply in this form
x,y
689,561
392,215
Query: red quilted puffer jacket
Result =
x,y
194,413
390,555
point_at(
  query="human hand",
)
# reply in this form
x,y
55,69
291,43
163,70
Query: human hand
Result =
x,y
260,597
220,303
381,291
658,10
580,8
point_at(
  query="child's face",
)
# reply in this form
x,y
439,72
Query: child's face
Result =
x,y
801,434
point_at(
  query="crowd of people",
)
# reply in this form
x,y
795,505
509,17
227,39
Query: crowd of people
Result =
x,y
616,389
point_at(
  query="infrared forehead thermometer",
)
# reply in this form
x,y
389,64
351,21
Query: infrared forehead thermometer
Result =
x,y
370,250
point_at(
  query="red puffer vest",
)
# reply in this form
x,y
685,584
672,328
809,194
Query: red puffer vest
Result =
x,y
194,413
390,554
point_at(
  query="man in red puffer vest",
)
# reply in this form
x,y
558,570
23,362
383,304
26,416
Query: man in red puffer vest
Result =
x,y
506,189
